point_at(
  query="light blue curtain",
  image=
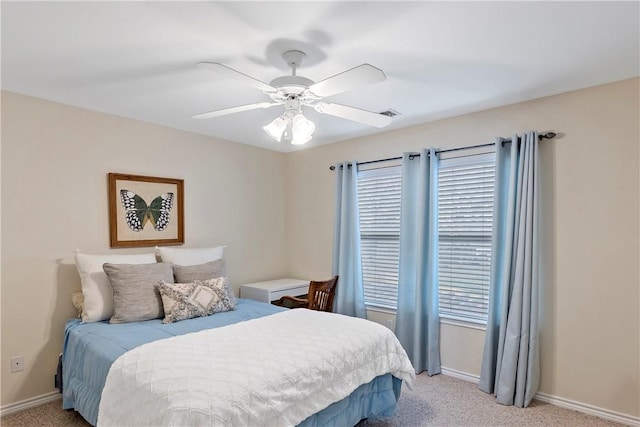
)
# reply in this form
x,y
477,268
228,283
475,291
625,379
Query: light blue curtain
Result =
x,y
510,363
347,262
417,319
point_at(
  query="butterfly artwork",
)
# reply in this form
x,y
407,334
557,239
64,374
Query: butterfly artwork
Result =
x,y
138,212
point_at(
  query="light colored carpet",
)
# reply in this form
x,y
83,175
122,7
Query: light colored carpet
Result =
x,y
446,401
434,401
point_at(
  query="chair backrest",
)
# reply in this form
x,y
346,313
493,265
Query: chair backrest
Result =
x,y
321,294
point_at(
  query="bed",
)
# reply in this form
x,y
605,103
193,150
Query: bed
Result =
x,y
257,365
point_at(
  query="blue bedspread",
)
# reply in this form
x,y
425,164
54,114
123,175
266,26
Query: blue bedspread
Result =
x,y
91,348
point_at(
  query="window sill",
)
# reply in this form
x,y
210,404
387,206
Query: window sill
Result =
x,y
380,309
455,321
447,320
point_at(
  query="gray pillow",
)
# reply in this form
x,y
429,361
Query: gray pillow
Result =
x,y
135,295
206,271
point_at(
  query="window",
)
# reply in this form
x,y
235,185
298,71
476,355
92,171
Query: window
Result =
x,y
379,209
465,212
465,198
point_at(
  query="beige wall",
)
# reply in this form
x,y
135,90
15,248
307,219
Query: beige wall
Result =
x,y
55,161
274,211
591,328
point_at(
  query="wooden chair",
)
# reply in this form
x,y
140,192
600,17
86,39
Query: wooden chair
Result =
x,y
320,297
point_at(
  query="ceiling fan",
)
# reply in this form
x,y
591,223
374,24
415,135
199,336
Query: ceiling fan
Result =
x,y
295,92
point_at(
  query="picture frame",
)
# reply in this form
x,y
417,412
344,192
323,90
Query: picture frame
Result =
x,y
145,211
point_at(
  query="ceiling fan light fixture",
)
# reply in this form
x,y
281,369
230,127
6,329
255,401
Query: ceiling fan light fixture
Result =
x,y
294,92
302,129
276,128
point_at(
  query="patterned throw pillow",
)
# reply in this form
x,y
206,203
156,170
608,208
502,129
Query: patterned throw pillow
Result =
x,y
77,299
197,299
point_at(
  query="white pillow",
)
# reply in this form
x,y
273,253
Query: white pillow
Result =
x,y
186,256
96,289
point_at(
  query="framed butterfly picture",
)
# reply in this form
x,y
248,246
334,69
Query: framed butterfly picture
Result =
x,y
145,211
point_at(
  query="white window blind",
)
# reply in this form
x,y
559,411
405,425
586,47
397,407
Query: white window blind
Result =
x,y
465,210
379,209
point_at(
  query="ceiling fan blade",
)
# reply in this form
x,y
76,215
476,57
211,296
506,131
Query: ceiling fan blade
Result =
x,y
355,114
230,73
232,110
361,75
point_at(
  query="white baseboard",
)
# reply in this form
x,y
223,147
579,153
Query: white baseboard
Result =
x,y
559,401
460,375
588,409
30,403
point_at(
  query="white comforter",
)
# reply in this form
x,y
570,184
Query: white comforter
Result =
x,y
273,371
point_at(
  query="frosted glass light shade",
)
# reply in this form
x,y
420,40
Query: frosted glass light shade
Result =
x,y
276,128
302,129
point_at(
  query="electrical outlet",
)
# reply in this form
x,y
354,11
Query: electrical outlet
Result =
x,y
17,364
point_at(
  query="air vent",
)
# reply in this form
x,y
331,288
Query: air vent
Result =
x,y
390,112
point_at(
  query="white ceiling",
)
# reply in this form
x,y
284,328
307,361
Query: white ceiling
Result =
x,y
441,59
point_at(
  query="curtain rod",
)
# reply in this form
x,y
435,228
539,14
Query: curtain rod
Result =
x,y
547,135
